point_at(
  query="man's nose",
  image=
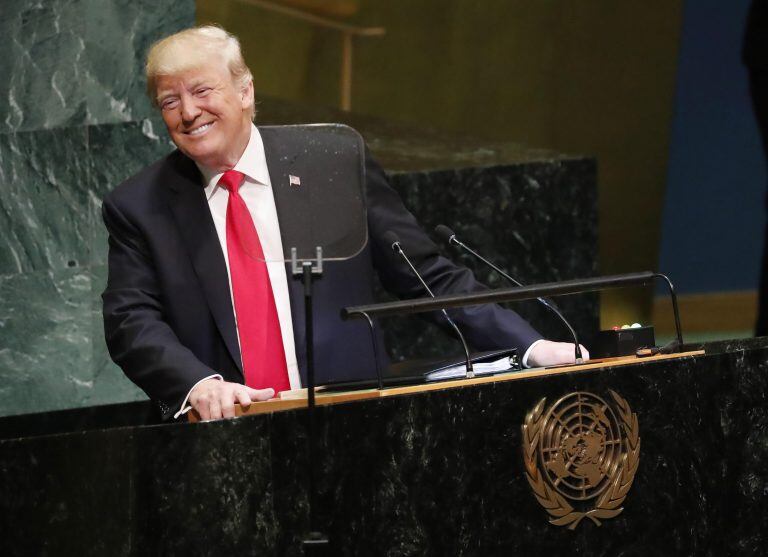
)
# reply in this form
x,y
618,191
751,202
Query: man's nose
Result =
x,y
189,109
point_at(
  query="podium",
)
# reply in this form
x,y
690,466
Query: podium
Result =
x,y
435,470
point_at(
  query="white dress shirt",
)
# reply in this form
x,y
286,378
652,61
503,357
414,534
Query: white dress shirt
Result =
x,y
256,192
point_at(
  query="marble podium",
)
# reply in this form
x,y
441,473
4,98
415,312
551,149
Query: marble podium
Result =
x,y
430,473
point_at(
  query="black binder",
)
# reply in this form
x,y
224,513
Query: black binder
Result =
x,y
414,372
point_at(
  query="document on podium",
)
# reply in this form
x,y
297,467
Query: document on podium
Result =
x,y
480,368
414,372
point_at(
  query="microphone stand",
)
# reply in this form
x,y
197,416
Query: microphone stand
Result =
x,y
452,239
397,248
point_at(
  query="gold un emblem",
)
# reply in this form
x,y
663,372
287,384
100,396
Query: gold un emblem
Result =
x,y
581,456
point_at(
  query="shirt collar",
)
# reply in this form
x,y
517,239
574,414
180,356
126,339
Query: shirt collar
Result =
x,y
253,163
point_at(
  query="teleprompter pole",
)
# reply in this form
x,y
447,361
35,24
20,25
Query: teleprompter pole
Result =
x,y
315,544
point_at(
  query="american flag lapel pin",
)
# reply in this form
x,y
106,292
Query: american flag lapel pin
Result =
x,y
294,180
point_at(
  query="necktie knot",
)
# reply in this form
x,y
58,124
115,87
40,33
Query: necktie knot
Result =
x,y
231,179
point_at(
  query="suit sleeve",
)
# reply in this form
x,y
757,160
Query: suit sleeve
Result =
x,y
138,338
486,327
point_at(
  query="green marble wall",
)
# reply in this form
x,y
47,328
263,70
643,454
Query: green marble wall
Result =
x,y
52,262
71,62
72,72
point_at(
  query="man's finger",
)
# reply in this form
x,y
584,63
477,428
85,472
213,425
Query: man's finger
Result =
x,y
228,404
261,394
215,408
243,398
200,403
201,396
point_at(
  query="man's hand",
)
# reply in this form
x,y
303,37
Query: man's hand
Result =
x,y
214,399
548,353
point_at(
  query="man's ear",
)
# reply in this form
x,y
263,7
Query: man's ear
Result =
x,y
246,96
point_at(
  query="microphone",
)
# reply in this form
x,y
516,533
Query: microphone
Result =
x,y
450,237
394,243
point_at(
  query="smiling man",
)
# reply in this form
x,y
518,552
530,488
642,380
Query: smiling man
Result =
x,y
207,113
198,310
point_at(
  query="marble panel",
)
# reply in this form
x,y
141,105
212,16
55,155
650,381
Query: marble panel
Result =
x,y
52,348
44,206
72,62
105,484
45,344
53,182
44,64
245,501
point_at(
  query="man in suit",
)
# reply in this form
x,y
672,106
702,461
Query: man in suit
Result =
x,y
198,308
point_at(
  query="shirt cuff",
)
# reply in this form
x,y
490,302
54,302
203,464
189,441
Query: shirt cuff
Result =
x,y
528,352
187,407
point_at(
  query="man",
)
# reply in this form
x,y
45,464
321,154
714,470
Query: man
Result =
x,y
197,310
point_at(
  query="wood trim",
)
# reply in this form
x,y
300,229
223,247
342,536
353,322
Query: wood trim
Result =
x,y
714,311
308,17
291,400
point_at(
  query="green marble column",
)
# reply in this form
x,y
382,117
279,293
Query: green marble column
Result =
x,y
73,124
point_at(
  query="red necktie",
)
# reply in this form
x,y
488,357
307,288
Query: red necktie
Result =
x,y
261,343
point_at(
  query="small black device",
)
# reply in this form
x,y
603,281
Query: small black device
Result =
x,y
623,342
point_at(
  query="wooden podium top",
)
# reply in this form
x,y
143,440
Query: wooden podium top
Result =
x,y
290,400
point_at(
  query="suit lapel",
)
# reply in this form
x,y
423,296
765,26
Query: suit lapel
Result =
x,y
193,218
280,162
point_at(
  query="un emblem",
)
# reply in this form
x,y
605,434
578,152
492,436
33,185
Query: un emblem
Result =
x,y
581,456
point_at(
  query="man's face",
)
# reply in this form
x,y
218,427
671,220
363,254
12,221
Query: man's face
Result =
x,y
207,115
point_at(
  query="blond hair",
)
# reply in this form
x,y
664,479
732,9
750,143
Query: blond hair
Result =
x,y
192,48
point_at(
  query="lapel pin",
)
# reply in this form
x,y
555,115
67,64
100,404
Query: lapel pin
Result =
x,y
294,180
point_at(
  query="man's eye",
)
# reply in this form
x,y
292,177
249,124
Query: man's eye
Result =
x,y
169,103
203,91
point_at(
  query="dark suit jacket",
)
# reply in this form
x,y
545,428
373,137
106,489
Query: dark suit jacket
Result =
x,y
167,312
